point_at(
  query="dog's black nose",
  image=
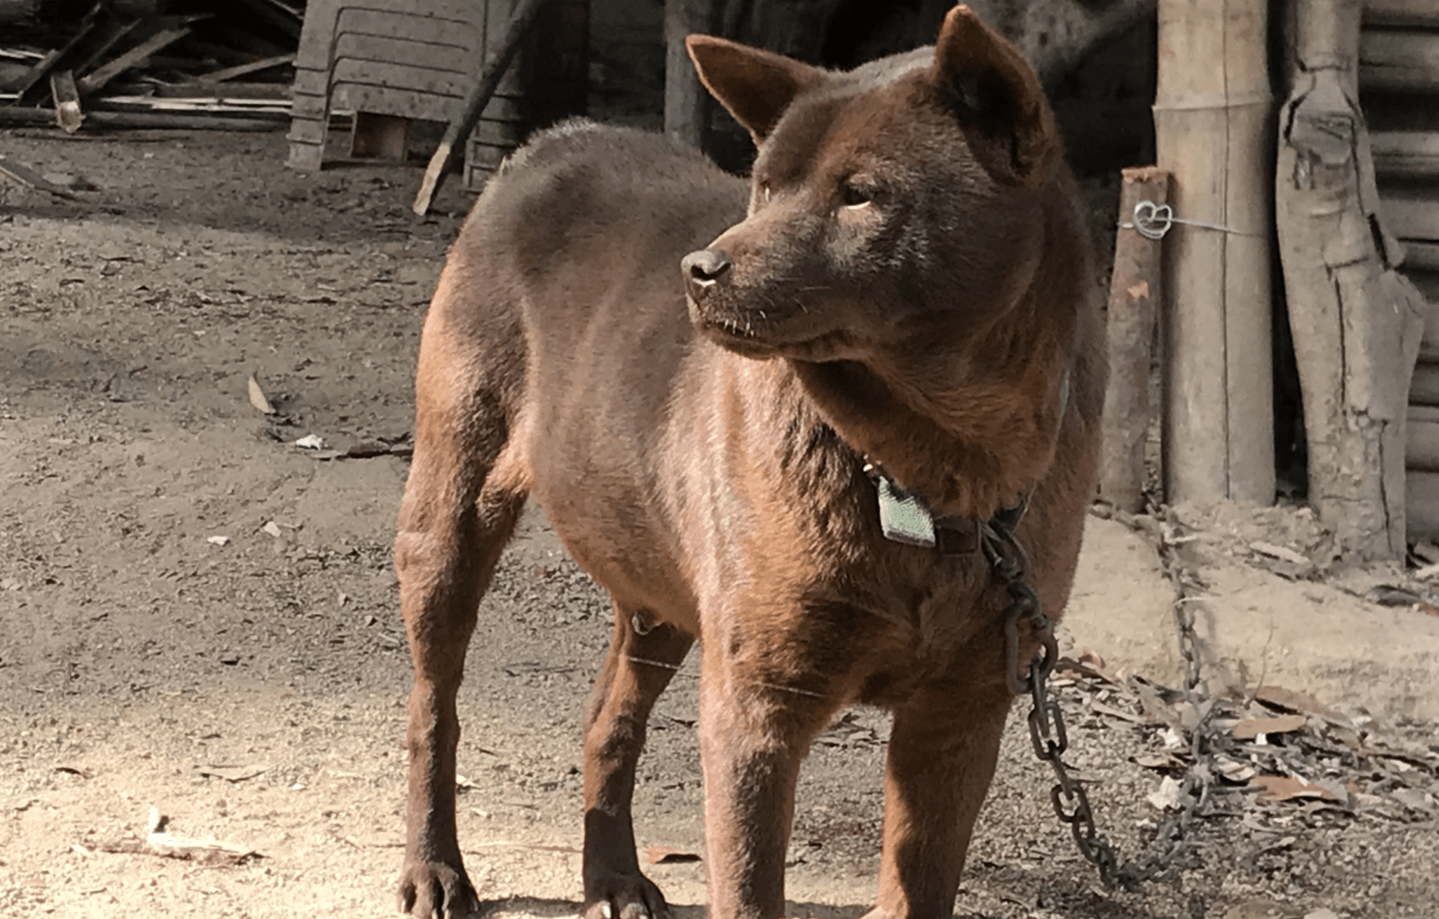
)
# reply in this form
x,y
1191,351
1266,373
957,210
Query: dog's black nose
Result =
x,y
704,269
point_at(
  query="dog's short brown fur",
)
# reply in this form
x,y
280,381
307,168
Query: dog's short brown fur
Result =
x,y
910,284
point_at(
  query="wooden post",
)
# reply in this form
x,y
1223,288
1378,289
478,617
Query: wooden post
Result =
x,y
497,62
684,96
1134,289
1211,123
1357,323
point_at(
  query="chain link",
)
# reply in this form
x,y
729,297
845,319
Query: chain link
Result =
x,y
1170,849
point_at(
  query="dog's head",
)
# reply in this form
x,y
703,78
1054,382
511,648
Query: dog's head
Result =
x,y
886,203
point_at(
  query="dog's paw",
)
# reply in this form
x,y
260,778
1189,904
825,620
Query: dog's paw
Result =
x,y
625,896
434,890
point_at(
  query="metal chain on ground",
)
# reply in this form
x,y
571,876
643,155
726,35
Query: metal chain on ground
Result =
x,y
1171,847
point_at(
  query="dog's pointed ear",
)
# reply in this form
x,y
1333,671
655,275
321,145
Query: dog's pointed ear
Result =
x,y
755,86
998,99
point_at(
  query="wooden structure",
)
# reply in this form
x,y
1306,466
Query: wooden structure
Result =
x,y
1135,288
418,59
1212,116
401,58
1399,86
1356,321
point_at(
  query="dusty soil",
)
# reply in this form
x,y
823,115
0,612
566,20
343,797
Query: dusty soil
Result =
x,y
251,688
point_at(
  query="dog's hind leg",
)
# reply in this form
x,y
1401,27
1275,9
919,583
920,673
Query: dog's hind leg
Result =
x,y
466,488
942,753
637,668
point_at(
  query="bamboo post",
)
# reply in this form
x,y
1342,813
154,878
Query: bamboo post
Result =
x,y
1357,323
1134,289
1211,124
684,96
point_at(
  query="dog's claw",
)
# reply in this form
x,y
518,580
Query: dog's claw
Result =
x,y
434,890
628,896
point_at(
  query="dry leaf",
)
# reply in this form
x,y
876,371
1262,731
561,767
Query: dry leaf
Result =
x,y
664,855
232,773
1169,796
258,397
1279,552
1290,700
1159,761
1285,788
1251,728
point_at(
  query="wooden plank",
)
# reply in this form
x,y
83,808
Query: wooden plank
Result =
x,y
131,58
1134,292
1421,255
399,76
403,52
384,101
464,32
229,73
310,132
1398,60
1424,389
1422,449
67,101
499,55
1424,13
24,175
306,157
1405,154
38,117
1421,504
1411,212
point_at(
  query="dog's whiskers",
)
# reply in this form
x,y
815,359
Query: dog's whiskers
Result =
x,y
651,663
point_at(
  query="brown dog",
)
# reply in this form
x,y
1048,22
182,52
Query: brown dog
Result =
x,y
906,305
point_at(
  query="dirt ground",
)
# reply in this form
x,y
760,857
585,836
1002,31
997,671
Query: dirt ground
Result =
x,y
201,618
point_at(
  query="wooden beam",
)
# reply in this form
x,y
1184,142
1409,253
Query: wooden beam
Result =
x,y
1395,59
41,117
229,73
1134,292
1406,154
496,63
1411,212
131,58
24,175
67,101
1423,13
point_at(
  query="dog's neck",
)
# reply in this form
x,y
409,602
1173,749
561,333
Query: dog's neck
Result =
x,y
968,451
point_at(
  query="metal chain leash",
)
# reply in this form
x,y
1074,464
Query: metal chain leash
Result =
x,y
1170,849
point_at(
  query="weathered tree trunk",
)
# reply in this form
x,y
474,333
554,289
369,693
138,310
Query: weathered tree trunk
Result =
x,y
1357,323
1212,116
1134,291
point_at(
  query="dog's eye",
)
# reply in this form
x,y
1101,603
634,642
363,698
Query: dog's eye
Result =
x,y
852,195
763,188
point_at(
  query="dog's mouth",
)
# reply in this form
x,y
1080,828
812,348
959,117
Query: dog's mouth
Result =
x,y
761,337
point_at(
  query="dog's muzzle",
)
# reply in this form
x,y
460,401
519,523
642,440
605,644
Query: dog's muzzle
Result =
x,y
703,271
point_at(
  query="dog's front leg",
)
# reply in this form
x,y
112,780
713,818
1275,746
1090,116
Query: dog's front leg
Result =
x,y
755,729
942,752
637,668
